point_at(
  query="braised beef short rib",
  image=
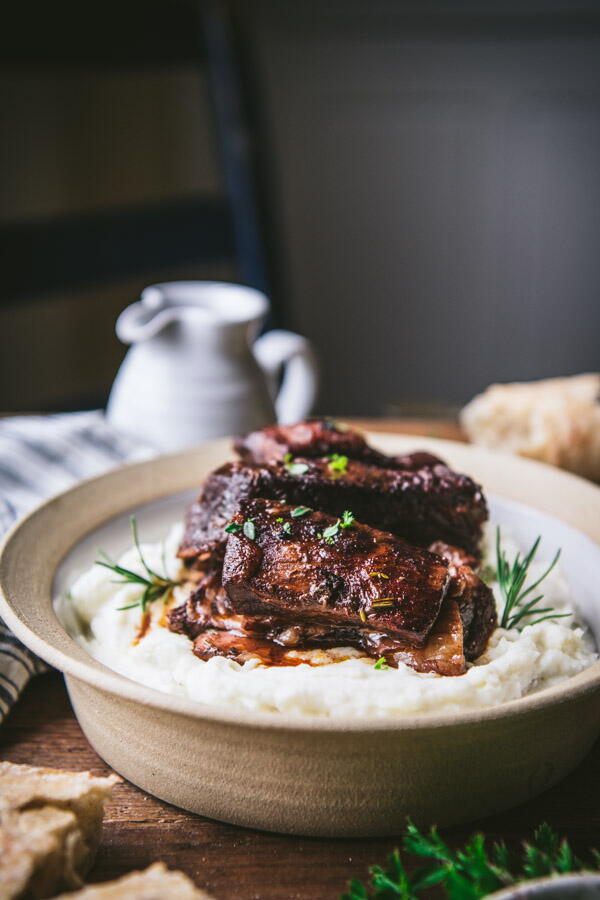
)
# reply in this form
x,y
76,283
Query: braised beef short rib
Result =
x,y
306,581
422,505
281,569
357,576
321,437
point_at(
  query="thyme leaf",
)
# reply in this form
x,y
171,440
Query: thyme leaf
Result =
x,y
294,468
249,529
300,511
332,531
381,664
338,463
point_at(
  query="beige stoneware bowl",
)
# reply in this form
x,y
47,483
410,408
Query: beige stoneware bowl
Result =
x,y
309,776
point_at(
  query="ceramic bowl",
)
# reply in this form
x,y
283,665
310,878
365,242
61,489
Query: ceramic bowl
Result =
x,y
309,776
564,887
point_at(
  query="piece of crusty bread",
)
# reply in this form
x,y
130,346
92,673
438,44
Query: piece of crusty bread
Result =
x,y
50,827
40,849
556,421
154,883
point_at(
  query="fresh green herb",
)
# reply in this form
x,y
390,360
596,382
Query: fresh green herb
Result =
x,y
300,511
279,519
381,664
337,463
332,531
467,874
249,529
294,468
511,580
287,528
233,528
155,586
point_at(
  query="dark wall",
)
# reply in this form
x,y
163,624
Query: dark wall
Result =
x,y
109,180
436,174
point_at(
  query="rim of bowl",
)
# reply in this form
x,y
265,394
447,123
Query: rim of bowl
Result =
x,y
71,659
573,879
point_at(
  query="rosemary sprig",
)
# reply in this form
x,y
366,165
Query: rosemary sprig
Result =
x,y
156,587
511,579
469,873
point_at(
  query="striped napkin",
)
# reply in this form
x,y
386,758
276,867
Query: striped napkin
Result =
x,y
41,456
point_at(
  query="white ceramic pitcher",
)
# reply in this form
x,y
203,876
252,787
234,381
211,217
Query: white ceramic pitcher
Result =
x,y
195,370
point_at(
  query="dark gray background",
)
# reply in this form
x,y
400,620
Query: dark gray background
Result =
x,y
438,190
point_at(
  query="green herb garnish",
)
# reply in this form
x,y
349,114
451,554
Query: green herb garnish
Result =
x,y
300,511
249,529
381,664
155,586
292,467
332,531
233,528
337,463
287,528
511,579
466,874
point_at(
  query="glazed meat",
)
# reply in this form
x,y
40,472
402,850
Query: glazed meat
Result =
x,y
316,569
461,631
280,571
321,437
424,505
443,652
474,598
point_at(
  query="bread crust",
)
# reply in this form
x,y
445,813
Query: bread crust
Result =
x,y
50,828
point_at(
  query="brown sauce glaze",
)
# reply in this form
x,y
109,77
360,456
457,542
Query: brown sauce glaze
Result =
x,y
143,627
242,648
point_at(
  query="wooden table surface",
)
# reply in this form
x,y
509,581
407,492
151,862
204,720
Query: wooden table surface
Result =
x,y
233,862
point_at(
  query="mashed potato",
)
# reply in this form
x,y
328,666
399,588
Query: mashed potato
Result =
x,y
514,663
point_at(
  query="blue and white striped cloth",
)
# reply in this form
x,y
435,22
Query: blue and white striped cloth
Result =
x,y
41,456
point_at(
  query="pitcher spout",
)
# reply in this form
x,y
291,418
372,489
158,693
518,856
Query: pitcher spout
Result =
x,y
141,321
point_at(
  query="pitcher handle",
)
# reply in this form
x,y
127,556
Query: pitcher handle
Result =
x,y
279,349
